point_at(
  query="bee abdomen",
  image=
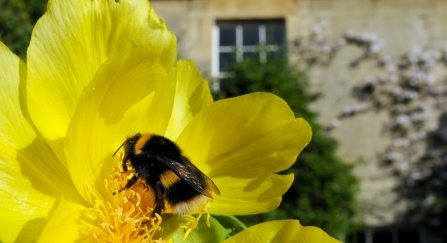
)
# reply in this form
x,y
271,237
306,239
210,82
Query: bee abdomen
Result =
x,y
183,198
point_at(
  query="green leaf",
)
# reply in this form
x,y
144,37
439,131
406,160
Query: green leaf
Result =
x,y
171,224
203,234
230,222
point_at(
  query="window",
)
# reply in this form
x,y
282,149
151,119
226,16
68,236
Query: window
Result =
x,y
235,40
389,235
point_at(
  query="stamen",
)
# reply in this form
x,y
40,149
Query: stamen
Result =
x,y
126,217
208,216
208,224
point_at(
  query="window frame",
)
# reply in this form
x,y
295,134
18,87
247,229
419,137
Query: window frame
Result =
x,y
217,49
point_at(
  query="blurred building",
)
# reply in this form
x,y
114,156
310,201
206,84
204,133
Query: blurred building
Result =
x,y
208,32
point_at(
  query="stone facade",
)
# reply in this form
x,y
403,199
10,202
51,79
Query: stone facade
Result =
x,y
402,24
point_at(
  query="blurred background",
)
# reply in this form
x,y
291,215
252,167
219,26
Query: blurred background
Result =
x,y
370,77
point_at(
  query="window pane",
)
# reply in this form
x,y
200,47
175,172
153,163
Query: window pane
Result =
x,y
408,236
276,33
251,55
250,35
227,36
225,61
361,237
382,237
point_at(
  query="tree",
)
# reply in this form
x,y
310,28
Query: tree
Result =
x,y
17,19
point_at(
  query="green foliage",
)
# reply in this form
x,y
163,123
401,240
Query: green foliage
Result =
x,y
17,19
230,222
324,191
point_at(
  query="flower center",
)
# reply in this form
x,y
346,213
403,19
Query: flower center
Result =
x,y
127,215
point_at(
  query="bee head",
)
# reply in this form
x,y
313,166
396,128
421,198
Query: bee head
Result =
x,y
129,146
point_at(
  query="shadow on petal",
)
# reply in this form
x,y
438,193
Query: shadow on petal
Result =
x,y
30,230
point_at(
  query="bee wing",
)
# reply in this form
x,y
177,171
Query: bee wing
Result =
x,y
208,181
190,174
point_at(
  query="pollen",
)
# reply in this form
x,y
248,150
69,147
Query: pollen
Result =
x,y
124,216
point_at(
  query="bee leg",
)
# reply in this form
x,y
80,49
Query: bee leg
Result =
x,y
124,167
123,164
159,199
130,183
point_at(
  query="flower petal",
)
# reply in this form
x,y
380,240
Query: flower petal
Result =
x,y
25,198
244,140
192,95
240,196
247,136
30,175
67,223
109,110
282,231
69,44
176,102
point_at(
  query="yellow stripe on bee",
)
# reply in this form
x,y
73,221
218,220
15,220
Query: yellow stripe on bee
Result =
x,y
195,204
168,178
141,142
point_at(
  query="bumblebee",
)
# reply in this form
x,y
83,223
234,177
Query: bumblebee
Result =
x,y
160,163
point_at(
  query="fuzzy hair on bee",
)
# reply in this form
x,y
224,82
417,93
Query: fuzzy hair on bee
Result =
x,y
176,182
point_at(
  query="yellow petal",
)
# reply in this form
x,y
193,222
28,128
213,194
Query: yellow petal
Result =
x,y
70,43
25,198
108,111
176,102
155,115
30,175
283,231
192,95
67,223
240,196
245,138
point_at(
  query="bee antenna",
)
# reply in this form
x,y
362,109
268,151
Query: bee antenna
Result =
x,y
119,148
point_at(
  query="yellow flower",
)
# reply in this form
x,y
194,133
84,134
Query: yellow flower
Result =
x,y
98,72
